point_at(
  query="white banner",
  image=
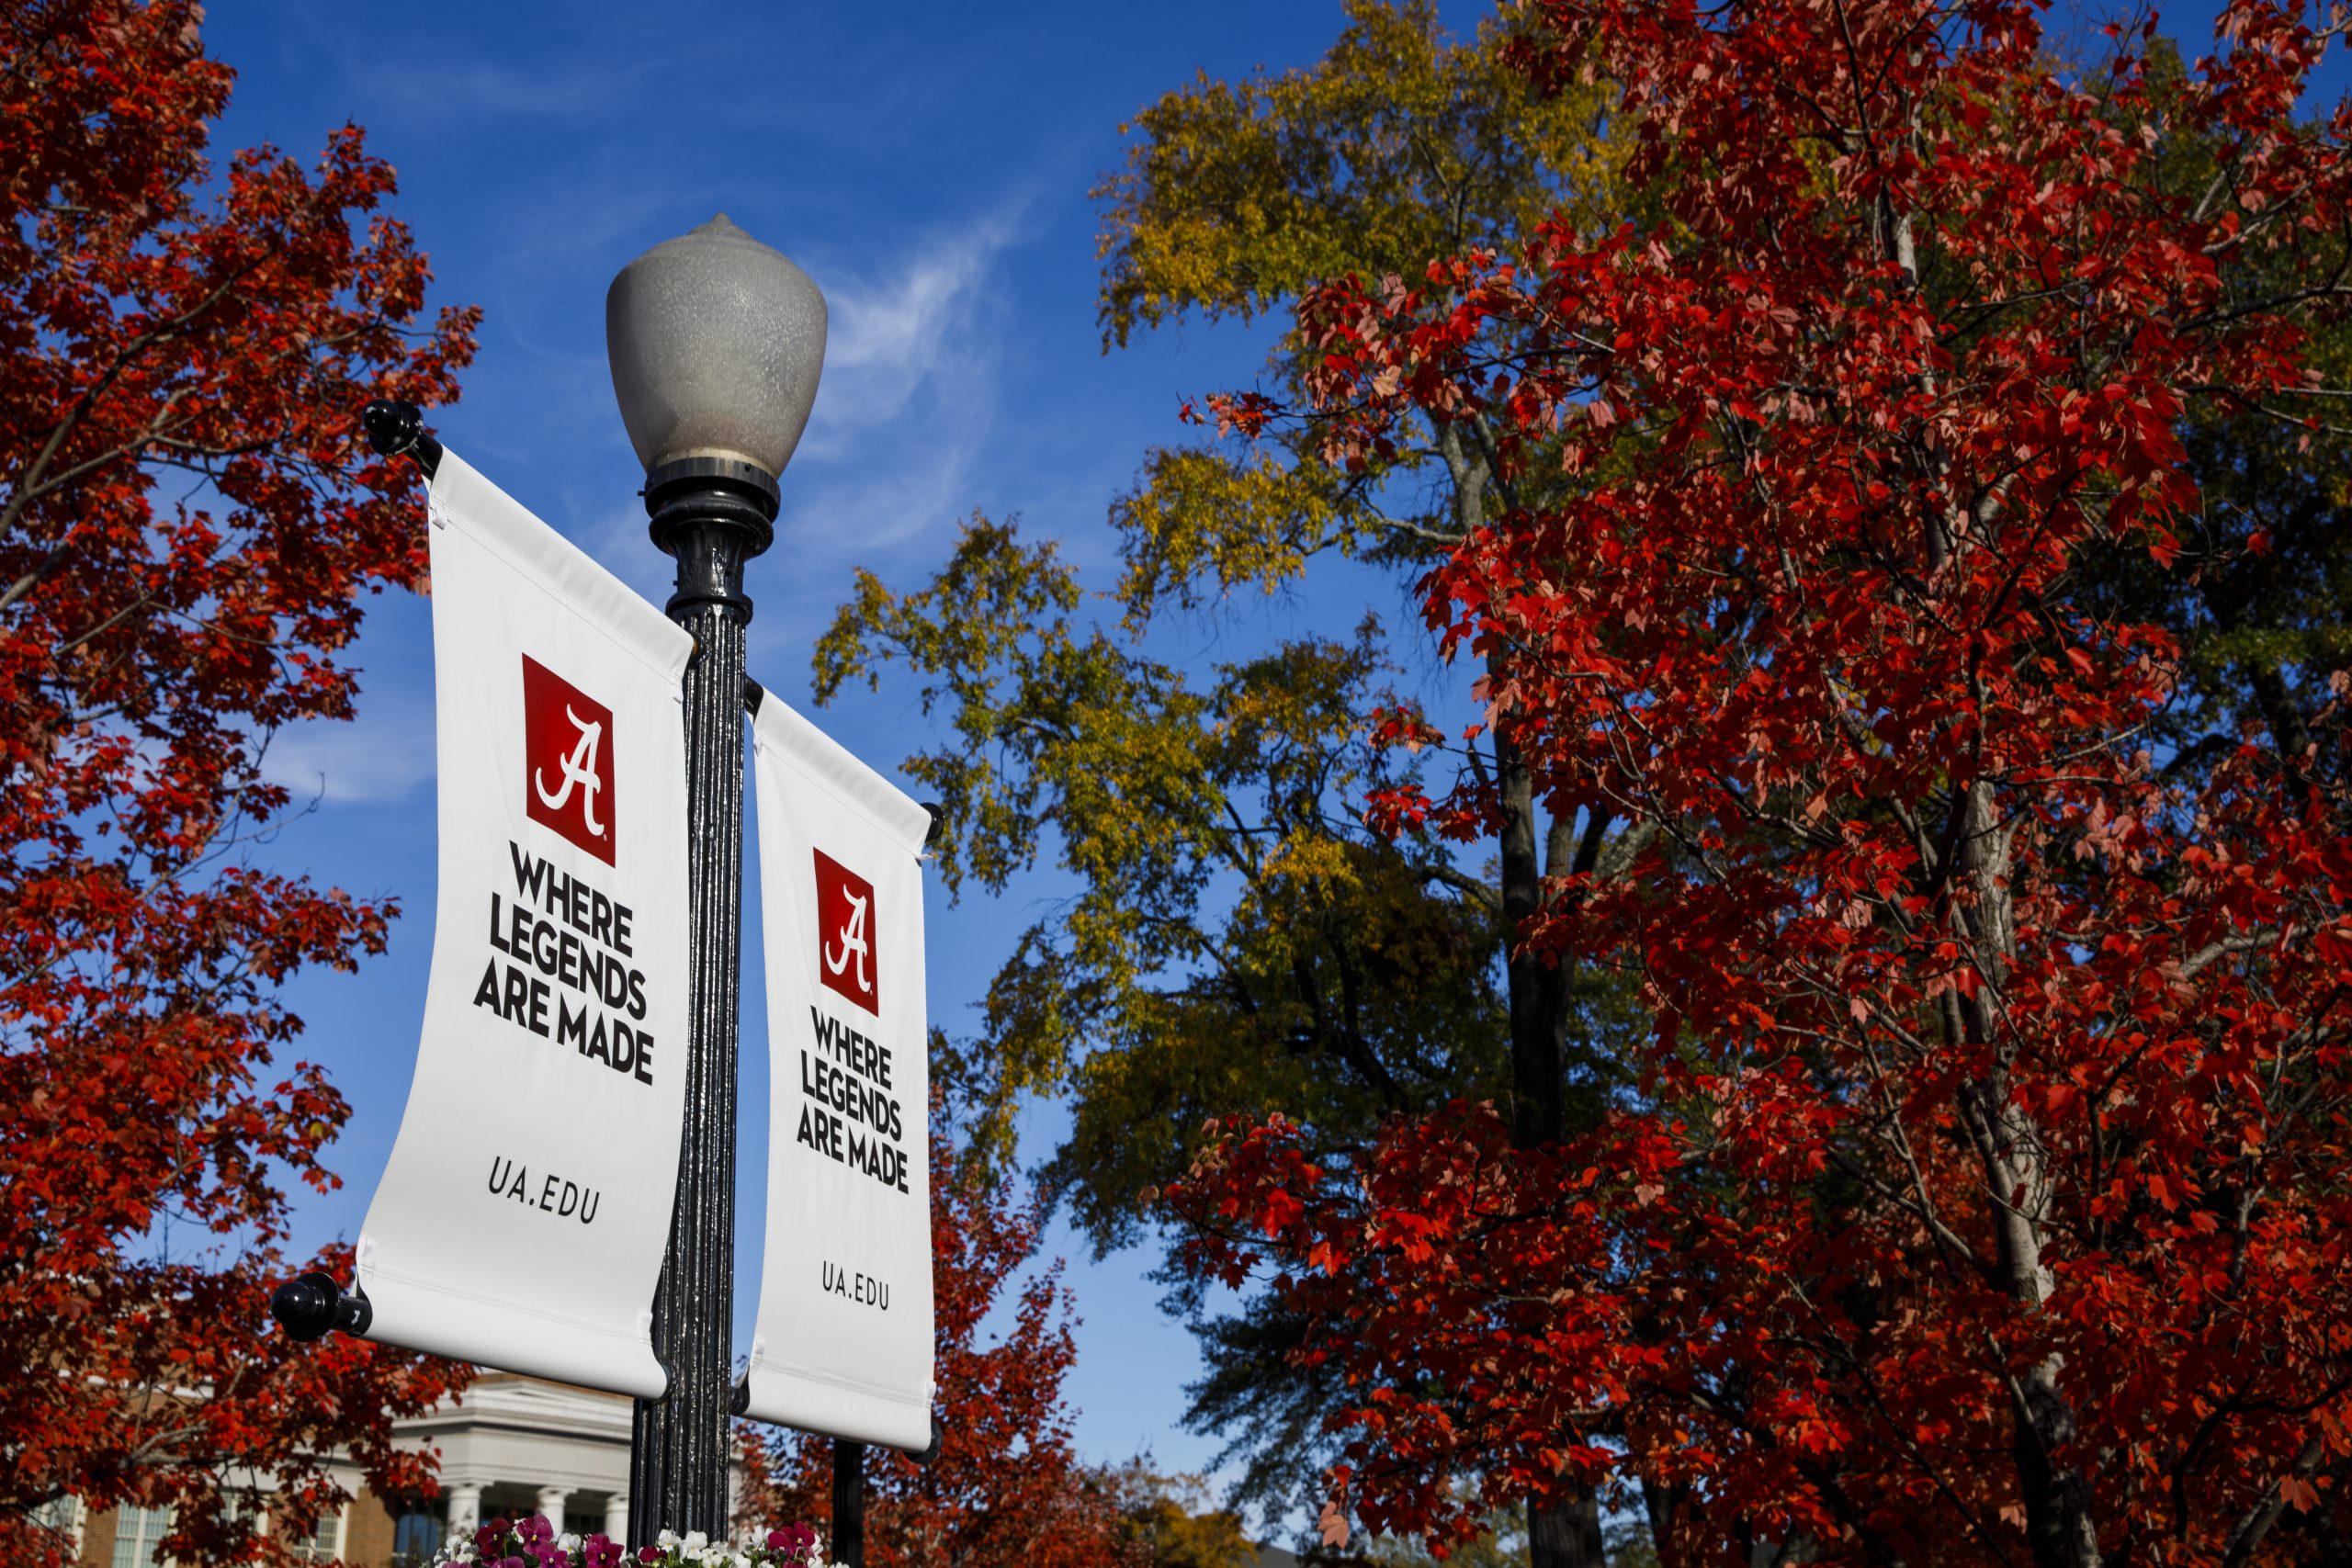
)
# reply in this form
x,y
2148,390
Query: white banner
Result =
x,y
522,1219
844,1335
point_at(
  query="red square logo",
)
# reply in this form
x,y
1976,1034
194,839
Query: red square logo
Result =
x,y
567,759
845,924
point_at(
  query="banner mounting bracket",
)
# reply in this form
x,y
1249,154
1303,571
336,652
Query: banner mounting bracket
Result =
x,y
396,429
314,1305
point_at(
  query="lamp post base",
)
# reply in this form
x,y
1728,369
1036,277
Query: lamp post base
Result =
x,y
848,1545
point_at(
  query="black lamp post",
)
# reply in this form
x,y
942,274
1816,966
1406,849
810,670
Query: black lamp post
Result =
x,y
715,344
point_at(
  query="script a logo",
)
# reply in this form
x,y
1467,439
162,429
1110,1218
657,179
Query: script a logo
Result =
x,y
567,759
845,934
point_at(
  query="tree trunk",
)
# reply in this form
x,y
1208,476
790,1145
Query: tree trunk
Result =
x,y
1565,1531
1566,1534
1538,995
2009,1144
1660,1504
2006,1141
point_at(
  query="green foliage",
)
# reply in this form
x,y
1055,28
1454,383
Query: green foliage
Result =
x,y
1258,1389
1205,523
1173,1521
1631,1545
2258,592
1501,1544
1237,933
1239,941
1400,146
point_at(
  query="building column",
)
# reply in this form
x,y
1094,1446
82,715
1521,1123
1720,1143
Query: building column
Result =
x,y
465,1510
552,1500
616,1519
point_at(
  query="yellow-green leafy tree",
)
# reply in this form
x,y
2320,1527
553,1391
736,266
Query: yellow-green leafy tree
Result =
x,y
1238,942
2258,596
1173,1522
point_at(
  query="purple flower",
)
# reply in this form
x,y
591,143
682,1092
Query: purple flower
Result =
x,y
793,1542
648,1554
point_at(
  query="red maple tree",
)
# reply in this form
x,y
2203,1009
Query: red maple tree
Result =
x,y
187,524
1984,1198
1006,1489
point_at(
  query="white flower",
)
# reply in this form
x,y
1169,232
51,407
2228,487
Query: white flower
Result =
x,y
567,1543
667,1541
695,1541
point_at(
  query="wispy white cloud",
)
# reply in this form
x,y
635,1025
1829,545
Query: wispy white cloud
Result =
x,y
469,91
905,426
381,757
926,328
906,419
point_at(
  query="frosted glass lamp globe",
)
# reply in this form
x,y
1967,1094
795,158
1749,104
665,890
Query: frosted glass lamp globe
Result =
x,y
716,342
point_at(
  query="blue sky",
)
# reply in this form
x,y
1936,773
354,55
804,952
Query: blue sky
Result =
x,y
928,165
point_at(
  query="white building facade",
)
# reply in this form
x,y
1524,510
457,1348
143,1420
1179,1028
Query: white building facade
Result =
x,y
512,1446
517,1446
